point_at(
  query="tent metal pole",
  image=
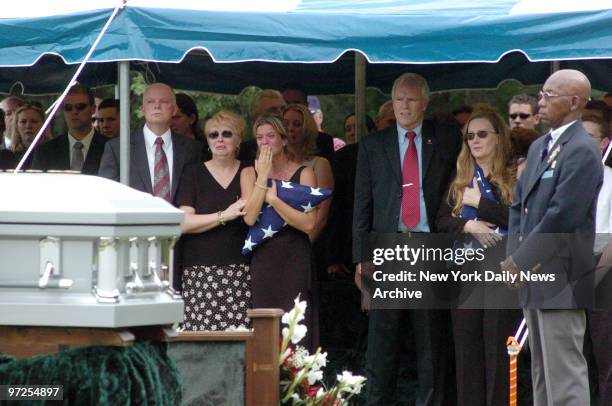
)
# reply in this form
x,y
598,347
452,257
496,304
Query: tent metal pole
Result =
x,y
360,95
554,66
124,118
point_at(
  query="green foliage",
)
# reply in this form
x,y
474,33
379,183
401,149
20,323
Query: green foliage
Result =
x,y
335,107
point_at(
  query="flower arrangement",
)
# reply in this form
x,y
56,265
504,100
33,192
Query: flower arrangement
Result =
x,y
301,372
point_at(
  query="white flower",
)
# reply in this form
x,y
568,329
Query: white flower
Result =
x,y
314,376
297,313
299,332
299,357
350,383
320,394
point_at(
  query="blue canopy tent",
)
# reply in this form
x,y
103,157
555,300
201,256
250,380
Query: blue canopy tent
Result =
x,y
220,46
207,46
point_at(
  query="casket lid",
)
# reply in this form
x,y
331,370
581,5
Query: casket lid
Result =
x,y
63,198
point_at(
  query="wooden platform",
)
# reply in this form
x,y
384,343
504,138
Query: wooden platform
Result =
x,y
260,346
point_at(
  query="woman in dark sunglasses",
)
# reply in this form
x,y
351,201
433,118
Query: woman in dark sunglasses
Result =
x,y
476,212
216,276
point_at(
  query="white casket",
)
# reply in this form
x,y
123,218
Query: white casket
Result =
x,y
83,251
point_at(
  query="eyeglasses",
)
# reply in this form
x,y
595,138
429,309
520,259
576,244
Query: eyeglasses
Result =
x,y
523,116
77,106
481,134
225,134
547,96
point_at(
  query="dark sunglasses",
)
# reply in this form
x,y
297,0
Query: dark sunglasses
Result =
x,y
225,134
77,106
523,116
481,134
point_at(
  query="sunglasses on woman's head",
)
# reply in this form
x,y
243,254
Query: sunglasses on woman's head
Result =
x,y
480,134
225,134
523,116
77,106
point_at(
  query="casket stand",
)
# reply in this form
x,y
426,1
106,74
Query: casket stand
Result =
x,y
84,270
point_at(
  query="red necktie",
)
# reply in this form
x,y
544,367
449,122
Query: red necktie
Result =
x,y
410,188
161,173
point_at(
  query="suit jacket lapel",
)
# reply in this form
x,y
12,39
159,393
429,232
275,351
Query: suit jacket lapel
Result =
x,y
141,163
178,158
545,164
427,147
62,154
391,146
92,160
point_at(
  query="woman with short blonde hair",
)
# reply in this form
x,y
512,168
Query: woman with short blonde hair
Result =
x,y
216,276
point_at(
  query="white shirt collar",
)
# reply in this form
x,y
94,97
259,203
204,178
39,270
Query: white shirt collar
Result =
x,y
86,141
150,137
556,133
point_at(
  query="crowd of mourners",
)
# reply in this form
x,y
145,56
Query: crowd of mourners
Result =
x,y
458,175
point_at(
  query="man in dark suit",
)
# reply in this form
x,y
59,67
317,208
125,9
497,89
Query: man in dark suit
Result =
x,y
81,149
427,153
158,106
552,230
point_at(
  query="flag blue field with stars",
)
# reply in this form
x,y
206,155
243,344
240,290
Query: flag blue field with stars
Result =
x,y
486,191
300,197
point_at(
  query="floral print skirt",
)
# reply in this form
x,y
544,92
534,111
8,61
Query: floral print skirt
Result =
x,y
216,297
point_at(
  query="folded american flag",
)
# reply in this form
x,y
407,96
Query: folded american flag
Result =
x,y
300,197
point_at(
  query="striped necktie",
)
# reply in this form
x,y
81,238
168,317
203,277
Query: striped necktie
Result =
x,y
161,173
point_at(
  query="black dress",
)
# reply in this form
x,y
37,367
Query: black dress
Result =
x,y
216,282
281,268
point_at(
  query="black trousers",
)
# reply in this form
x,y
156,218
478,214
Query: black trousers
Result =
x,y
481,356
385,335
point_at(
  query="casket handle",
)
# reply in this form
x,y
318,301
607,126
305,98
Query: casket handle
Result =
x,y
47,281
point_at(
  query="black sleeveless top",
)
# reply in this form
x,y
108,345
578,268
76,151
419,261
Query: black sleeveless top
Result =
x,y
221,245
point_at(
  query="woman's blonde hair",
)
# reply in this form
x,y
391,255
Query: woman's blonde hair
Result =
x,y
228,118
280,129
17,144
307,148
502,173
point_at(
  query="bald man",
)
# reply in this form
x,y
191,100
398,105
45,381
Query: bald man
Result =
x,y
151,146
552,230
